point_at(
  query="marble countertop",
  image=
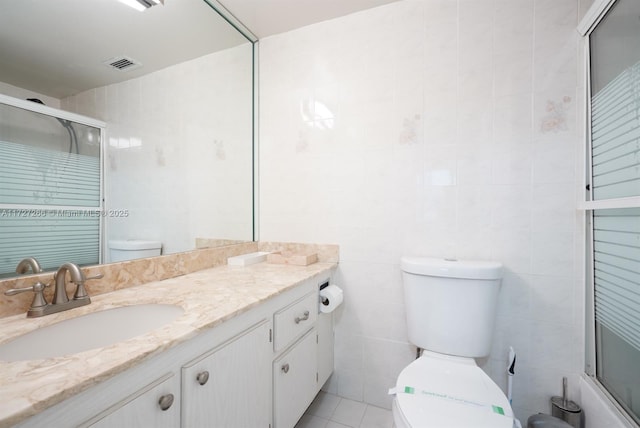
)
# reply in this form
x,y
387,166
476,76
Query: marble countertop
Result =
x,y
208,297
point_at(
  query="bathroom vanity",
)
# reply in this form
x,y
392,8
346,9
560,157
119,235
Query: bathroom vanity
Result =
x,y
250,350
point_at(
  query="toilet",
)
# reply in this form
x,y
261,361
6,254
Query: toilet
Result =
x,y
451,307
130,249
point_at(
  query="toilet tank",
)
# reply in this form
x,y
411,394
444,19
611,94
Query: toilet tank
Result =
x,y
451,304
131,249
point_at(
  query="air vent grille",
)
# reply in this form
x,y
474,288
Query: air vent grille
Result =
x,y
123,63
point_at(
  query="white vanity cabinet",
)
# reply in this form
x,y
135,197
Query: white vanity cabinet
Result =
x,y
229,386
259,369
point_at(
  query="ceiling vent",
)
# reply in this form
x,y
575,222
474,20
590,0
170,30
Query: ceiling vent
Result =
x,y
123,63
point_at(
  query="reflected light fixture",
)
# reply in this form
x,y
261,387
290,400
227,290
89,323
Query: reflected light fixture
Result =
x,y
141,5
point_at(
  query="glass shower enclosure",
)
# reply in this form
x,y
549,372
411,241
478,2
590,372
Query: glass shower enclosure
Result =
x,y
51,204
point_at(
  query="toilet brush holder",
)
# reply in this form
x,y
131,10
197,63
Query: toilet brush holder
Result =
x,y
567,410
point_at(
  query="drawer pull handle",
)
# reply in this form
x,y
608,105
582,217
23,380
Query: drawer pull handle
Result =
x,y
202,377
285,368
165,401
304,317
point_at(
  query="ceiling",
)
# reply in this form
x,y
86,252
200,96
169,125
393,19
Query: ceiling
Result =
x,y
58,47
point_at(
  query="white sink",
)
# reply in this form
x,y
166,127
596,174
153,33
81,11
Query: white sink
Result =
x,y
93,330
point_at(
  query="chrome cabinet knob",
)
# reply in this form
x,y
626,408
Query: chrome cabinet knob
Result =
x,y
285,368
304,317
202,377
165,402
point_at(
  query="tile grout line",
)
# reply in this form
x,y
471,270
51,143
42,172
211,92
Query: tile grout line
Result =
x,y
335,408
363,414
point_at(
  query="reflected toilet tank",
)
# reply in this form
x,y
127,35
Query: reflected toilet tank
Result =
x,y
130,249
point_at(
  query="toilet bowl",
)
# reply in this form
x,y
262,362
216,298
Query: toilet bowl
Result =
x,y
441,391
451,308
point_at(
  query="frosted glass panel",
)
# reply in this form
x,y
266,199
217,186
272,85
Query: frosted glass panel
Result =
x,y
33,175
50,201
617,271
62,236
618,370
615,102
615,134
616,244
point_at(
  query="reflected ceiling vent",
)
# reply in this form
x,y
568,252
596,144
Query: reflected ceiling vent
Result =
x,y
141,5
148,3
123,63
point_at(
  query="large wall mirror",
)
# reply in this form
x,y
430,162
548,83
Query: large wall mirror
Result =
x,y
172,83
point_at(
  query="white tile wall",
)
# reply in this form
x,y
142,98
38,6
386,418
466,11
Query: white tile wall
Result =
x,y
452,133
178,150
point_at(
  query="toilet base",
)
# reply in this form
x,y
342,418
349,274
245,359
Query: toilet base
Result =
x,y
398,418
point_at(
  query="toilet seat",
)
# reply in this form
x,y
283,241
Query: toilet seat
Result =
x,y
441,391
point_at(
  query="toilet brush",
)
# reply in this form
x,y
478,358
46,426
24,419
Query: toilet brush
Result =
x,y
511,370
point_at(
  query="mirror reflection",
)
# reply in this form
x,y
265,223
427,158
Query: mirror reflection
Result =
x,y
177,141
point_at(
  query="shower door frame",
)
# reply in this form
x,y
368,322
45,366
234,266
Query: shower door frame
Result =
x,y
592,18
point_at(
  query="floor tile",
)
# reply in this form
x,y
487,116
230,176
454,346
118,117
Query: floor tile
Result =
x,y
310,421
376,417
333,424
323,405
349,412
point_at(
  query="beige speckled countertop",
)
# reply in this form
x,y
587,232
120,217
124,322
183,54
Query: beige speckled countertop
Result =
x,y
208,297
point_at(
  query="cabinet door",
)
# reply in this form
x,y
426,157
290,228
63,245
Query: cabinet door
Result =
x,y
295,381
230,386
157,405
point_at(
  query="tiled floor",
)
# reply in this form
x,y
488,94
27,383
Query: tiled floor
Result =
x,y
331,411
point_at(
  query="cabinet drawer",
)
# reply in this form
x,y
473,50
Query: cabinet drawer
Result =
x,y
290,322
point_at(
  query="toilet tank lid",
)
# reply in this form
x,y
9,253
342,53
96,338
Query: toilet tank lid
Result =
x,y
451,268
134,244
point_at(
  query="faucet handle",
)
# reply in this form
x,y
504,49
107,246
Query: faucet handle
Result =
x,y
37,287
81,292
38,298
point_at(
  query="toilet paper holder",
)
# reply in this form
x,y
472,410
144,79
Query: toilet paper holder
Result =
x,y
330,296
321,287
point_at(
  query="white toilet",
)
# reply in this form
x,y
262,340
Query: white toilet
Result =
x,y
450,315
130,249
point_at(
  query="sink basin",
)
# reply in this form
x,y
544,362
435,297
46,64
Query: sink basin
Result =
x,y
93,330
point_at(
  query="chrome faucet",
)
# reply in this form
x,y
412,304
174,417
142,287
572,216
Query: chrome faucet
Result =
x,y
39,302
77,277
40,307
29,262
